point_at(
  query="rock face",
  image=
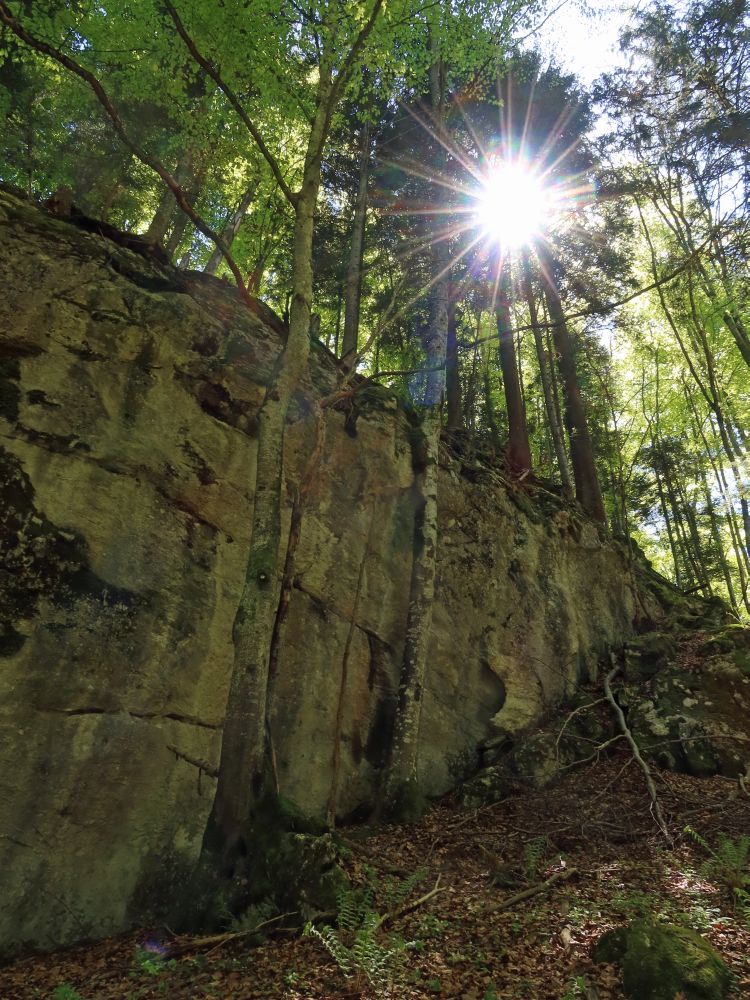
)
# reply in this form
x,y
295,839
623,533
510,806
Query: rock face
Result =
x,y
128,397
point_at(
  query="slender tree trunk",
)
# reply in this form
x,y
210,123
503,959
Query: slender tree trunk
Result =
x,y
356,252
181,220
740,552
454,406
689,545
401,796
518,452
667,521
230,231
588,492
470,400
490,417
166,208
549,403
243,751
718,543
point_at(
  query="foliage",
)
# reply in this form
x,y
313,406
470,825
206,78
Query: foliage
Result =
x,y
535,852
728,864
65,992
357,944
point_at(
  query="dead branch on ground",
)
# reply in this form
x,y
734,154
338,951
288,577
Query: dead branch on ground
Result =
x,y
534,890
634,748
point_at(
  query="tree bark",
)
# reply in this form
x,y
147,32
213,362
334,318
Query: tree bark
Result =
x,y
230,231
401,796
518,450
549,403
356,252
454,406
588,492
243,750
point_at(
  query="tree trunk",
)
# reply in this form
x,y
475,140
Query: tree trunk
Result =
x,y
549,403
588,492
454,406
356,252
166,208
243,750
668,524
717,540
518,451
401,797
230,231
181,220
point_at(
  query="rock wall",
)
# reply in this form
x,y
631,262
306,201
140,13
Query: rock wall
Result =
x,y
128,396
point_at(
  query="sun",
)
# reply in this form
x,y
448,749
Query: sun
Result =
x,y
512,204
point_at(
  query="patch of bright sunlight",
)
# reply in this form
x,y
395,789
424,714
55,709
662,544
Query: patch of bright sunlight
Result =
x,y
513,205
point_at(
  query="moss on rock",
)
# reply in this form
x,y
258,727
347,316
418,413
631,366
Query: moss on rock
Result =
x,y
662,961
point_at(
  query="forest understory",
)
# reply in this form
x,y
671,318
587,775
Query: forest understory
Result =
x,y
594,831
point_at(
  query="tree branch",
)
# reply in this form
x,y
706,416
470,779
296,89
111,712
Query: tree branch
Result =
x,y
534,890
634,747
408,907
202,765
342,77
230,95
43,48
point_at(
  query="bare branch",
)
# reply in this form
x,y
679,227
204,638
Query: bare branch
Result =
x,y
409,907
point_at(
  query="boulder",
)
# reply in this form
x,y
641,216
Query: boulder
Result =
x,y
664,961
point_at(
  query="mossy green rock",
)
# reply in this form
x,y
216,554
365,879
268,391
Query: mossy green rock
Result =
x,y
661,961
647,654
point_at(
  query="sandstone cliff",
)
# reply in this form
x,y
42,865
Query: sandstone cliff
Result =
x,y
127,409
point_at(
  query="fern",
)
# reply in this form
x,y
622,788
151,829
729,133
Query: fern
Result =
x,y
66,992
534,853
335,948
256,914
354,945
351,905
728,863
395,891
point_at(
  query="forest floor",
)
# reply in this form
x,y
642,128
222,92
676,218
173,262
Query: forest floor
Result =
x,y
594,831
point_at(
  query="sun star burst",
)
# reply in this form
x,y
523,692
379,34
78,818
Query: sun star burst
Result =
x,y
512,204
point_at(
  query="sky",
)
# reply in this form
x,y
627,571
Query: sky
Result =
x,y
583,43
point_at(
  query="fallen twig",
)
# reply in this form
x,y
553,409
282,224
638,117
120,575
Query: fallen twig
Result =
x,y
634,747
576,711
215,941
408,907
533,890
742,780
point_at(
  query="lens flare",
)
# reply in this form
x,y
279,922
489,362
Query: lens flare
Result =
x,y
512,204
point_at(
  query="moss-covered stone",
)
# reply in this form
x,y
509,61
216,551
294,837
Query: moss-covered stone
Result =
x,y
662,961
647,654
611,946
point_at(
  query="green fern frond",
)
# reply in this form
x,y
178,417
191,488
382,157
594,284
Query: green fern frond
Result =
x,y
534,853
728,862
